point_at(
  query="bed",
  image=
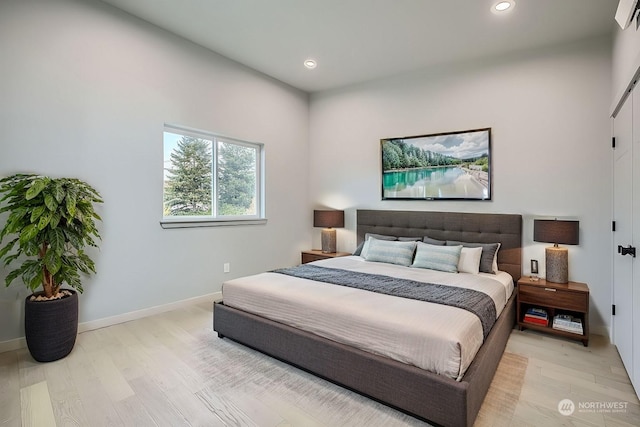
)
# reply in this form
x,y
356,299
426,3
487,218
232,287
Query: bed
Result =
x,y
446,398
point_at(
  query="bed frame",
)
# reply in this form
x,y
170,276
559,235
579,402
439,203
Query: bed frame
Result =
x,y
423,394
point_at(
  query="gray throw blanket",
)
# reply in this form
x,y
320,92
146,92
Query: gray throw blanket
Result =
x,y
473,301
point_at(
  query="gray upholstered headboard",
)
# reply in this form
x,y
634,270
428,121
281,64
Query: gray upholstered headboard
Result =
x,y
461,226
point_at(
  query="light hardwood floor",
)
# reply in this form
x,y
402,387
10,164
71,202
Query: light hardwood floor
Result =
x,y
172,370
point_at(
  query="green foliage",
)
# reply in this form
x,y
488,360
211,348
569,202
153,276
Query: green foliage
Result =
x,y
189,184
188,189
397,154
50,222
484,162
236,179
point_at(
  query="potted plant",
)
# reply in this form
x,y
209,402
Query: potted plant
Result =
x,y
50,222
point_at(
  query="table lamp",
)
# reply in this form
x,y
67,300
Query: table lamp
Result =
x,y
329,220
556,258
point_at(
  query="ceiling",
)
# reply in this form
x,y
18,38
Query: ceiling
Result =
x,y
360,40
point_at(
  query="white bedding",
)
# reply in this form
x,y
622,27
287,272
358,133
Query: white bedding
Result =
x,y
431,336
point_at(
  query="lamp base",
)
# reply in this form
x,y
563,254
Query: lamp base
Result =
x,y
557,264
328,240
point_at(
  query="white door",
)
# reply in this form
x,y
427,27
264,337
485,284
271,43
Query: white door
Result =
x,y
635,283
623,216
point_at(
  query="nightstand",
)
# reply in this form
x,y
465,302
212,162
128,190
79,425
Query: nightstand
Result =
x,y
317,254
570,299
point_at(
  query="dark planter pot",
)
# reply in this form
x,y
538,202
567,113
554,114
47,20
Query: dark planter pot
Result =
x,y
51,327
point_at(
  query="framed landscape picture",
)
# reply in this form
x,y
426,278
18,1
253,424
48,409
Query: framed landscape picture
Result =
x,y
443,166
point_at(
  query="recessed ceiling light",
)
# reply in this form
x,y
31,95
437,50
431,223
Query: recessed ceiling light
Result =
x,y
503,5
310,63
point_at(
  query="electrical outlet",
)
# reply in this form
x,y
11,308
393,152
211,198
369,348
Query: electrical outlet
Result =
x,y
226,267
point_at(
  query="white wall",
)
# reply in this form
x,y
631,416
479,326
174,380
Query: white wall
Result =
x,y
548,110
87,88
625,59
85,92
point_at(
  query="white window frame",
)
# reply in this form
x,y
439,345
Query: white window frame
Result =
x,y
214,220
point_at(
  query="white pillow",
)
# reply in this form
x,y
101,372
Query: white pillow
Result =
x,y
488,258
470,260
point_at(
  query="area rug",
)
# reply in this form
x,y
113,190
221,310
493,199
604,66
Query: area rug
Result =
x,y
257,377
500,403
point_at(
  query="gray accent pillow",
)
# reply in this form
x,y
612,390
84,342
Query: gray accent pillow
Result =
x,y
391,252
437,257
410,239
358,250
431,241
489,251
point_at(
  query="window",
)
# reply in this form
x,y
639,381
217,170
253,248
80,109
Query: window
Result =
x,y
211,180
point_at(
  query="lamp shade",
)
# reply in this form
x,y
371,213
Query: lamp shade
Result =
x,y
556,231
328,219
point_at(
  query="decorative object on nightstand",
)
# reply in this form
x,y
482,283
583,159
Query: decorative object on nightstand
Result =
x,y
329,220
560,309
556,258
534,270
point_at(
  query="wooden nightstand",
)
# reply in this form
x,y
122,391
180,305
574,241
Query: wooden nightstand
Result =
x,y
317,254
570,298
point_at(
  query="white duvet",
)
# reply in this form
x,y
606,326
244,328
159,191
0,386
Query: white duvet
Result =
x,y
431,336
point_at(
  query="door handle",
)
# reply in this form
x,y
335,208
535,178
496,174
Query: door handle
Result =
x,y
629,250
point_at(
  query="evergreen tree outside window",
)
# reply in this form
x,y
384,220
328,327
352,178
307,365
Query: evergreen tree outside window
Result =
x,y
188,182
236,178
208,178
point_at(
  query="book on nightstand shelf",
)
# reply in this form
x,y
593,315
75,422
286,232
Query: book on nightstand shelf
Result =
x,y
568,323
537,316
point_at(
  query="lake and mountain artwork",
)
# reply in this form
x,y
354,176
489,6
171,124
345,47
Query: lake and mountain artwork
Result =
x,y
454,165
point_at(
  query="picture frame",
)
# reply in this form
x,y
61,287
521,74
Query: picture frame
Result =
x,y
534,266
441,166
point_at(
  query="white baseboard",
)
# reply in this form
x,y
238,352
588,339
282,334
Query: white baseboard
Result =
x,y
15,344
19,343
600,330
